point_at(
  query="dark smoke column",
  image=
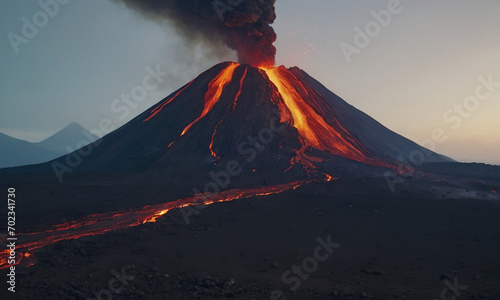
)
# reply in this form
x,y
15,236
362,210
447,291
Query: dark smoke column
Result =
x,y
242,25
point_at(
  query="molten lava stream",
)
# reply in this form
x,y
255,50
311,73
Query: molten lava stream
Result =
x,y
232,109
314,131
215,88
103,222
212,96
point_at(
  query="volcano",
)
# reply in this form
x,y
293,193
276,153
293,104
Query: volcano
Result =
x,y
276,119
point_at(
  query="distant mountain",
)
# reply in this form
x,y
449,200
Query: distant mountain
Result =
x,y
68,139
15,152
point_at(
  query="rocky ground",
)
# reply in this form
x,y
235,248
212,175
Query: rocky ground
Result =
x,y
404,245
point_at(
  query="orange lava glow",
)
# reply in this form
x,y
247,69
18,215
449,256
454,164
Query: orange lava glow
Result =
x,y
104,222
241,87
313,129
232,109
215,88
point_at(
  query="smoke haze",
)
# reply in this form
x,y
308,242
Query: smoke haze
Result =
x,y
241,25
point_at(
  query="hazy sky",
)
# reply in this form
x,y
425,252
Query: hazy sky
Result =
x,y
411,71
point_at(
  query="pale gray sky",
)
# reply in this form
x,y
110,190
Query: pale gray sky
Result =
x,y
413,71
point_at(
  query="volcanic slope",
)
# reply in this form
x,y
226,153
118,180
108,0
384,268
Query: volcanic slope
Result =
x,y
272,119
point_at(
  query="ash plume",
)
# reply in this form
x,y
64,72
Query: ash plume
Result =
x,y
241,25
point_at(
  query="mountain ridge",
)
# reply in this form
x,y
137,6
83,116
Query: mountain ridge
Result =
x,y
72,135
16,152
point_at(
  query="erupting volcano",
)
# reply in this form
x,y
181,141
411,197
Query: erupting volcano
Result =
x,y
234,109
298,106
285,172
269,120
249,119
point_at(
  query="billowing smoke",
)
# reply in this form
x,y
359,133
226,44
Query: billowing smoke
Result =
x,y
242,25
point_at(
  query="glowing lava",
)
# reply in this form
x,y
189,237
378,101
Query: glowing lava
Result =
x,y
232,109
215,88
101,223
212,96
300,102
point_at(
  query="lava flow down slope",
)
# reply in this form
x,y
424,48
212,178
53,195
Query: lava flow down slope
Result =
x,y
275,119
